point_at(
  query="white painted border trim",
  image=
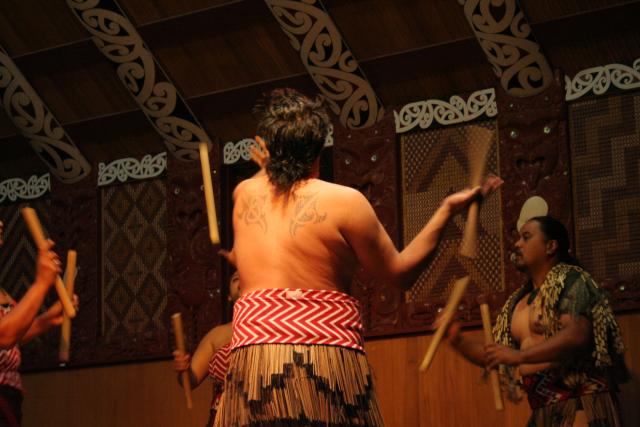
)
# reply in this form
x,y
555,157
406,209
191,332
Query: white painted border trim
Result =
x,y
424,113
600,79
130,169
232,152
36,186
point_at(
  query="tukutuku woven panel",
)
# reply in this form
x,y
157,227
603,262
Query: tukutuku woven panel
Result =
x,y
605,161
134,251
18,254
434,165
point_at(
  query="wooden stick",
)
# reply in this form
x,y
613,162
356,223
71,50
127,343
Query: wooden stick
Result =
x,y
214,235
459,288
65,329
176,318
477,162
488,339
33,223
469,244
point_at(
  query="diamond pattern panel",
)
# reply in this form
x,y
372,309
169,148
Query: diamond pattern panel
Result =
x,y
134,252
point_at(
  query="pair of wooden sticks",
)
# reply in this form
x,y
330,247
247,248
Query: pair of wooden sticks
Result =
x,y
214,236
469,248
63,288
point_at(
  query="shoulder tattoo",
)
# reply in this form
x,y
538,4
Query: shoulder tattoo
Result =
x,y
252,211
306,212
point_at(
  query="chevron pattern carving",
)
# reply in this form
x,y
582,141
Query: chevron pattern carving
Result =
x,y
18,254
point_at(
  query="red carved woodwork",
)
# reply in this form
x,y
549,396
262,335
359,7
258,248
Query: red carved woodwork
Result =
x,y
193,267
534,161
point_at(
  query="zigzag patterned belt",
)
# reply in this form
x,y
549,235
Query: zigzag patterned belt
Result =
x,y
219,363
297,316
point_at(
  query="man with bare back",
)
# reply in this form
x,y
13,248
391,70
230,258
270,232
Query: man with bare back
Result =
x,y
556,336
297,350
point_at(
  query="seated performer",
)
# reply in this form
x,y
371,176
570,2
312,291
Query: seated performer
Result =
x,y
20,323
557,333
297,354
212,355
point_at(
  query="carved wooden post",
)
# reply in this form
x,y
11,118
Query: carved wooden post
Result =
x,y
534,161
367,160
193,267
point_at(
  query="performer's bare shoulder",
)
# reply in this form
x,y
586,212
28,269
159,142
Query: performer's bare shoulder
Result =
x,y
295,240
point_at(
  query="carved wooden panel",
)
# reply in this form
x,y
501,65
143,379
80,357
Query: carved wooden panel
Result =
x,y
367,160
193,267
534,161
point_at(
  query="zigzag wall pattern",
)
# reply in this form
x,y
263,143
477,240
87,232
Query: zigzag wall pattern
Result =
x,y
605,157
18,266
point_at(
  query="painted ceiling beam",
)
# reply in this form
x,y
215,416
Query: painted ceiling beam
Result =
x,y
28,112
329,61
554,28
139,71
505,36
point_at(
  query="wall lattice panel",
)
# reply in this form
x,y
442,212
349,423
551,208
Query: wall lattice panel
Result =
x,y
605,160
134,252
434,164
18,254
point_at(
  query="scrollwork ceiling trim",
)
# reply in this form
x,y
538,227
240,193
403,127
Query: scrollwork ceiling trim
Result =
x,y
158,98
28,112
329,61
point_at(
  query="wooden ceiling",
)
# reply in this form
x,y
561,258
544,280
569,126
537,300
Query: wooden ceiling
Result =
x,y
222,55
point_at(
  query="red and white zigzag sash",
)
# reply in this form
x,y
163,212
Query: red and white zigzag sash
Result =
x,y
219,363
297,316
218,367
